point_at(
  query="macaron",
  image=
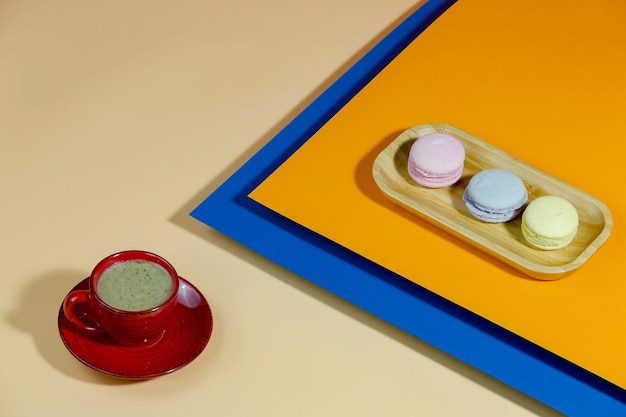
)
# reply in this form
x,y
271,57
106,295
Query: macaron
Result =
x,y
495,195
436,160
549,222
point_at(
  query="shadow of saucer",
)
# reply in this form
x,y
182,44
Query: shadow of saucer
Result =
x,y
36,314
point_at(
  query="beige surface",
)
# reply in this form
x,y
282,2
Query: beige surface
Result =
x,y
116,119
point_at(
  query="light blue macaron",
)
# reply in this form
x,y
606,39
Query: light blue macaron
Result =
x,y
495,195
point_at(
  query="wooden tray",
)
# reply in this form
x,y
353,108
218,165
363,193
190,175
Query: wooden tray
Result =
x,y
444,207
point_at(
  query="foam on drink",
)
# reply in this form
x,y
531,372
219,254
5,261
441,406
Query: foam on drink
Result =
x,y
134,285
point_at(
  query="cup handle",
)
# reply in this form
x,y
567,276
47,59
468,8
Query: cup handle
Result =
x,y
75,298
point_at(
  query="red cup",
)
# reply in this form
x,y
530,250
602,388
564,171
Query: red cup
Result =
x,y
127,327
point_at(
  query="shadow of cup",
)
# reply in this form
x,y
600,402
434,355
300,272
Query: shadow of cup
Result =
x,y
36,313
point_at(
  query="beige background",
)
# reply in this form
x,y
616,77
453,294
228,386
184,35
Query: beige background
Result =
x,y
119,117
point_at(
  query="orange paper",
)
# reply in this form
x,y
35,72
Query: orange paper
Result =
x,y
543,82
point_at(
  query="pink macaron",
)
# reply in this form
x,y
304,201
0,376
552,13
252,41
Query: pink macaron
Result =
x,y
436,160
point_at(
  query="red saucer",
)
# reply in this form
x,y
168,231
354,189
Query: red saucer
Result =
x,y
186,336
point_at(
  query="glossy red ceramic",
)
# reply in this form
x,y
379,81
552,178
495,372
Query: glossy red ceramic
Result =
x,y
127,327
186,334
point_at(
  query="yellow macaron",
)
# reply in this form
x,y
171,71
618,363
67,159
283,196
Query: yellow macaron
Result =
x,y
549,222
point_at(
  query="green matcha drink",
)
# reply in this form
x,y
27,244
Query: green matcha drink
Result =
x,y
134,285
